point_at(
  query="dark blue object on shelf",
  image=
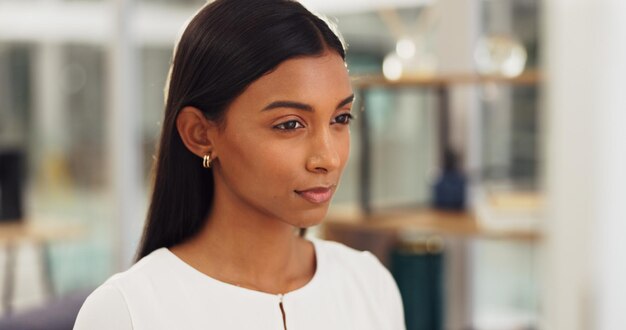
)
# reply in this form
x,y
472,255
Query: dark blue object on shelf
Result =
x,y
449,191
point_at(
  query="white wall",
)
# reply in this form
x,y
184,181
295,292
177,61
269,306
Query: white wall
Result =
x,y
455,36
585,48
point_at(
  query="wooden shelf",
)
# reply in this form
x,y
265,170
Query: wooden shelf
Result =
x,y
385,227
368,81
36,232
425,220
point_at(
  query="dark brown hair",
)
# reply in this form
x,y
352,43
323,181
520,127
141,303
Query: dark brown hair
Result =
x,y
226,46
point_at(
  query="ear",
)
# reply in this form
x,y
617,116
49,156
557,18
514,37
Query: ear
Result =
x,y
195,131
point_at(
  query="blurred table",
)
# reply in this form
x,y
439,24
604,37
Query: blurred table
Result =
x,y
41,235
379,233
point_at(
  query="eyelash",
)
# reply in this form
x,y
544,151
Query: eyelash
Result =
x,y
349,119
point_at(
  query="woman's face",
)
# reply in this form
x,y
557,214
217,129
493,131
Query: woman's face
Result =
x,y
286,134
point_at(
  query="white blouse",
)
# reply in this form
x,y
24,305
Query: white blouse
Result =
x,y
349,290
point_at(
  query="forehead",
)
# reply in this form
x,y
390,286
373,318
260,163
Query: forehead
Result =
x,y
315,80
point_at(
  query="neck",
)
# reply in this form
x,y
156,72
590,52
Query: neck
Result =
x,y
242,246
253,249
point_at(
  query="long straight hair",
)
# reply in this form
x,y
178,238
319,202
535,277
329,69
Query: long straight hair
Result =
x,y
226,46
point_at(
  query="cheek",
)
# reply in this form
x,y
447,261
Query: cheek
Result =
x,y
263,165
273,160
275,165
344,149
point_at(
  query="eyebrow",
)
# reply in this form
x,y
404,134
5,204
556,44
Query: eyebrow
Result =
x,y
302,106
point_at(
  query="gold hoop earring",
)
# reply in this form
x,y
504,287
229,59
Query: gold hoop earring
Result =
x,y
206,161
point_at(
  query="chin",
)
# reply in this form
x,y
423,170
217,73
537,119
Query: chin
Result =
x,y
311,218
309,224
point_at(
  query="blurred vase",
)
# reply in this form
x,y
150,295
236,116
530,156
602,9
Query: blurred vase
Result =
x,y
449,191
417,266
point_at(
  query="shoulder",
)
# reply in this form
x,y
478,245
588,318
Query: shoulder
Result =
x,y
339,253
361,264
105,308
110,305
337,250
368,276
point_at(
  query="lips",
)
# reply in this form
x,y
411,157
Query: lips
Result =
x,y
316,195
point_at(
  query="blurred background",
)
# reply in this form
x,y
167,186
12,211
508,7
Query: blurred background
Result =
x,y
487,166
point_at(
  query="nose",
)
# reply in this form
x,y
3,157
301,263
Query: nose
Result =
x,y
324,156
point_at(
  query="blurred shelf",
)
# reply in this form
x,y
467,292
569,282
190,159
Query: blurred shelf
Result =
x,y
357,227
428,221
36,232
441,85
530,77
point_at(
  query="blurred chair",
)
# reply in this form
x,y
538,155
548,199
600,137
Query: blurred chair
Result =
x,y
56,314
11,184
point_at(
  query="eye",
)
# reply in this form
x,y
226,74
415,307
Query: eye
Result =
x,y
289,125
344,119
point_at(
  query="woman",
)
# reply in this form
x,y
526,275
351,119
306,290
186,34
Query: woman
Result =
x,y
254,141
